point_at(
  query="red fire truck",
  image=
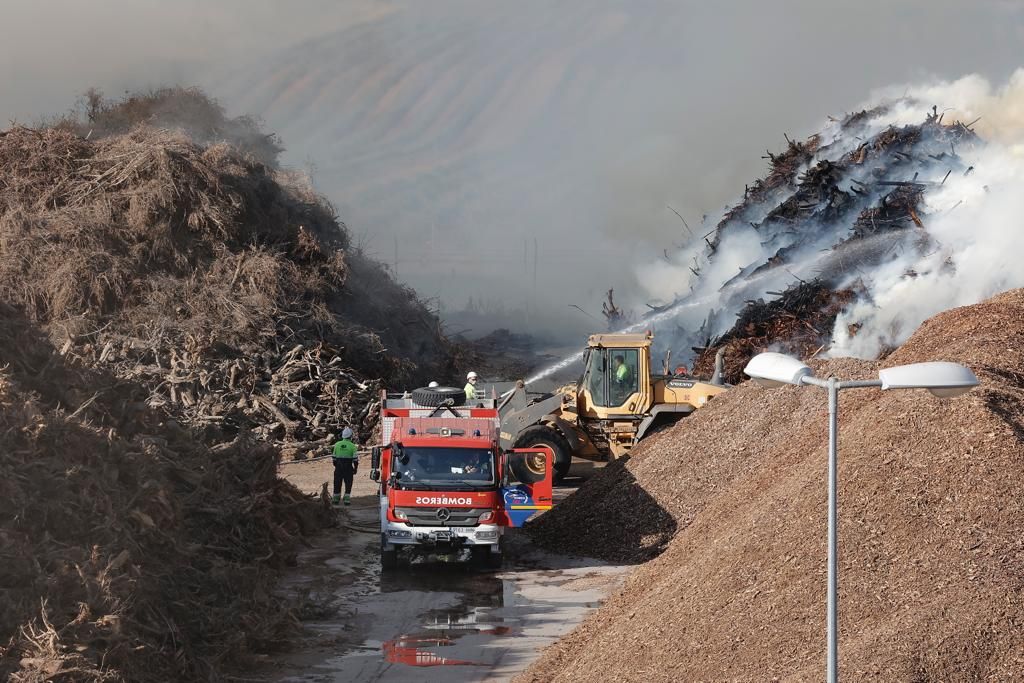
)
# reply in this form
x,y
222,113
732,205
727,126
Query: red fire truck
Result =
x,y
447,488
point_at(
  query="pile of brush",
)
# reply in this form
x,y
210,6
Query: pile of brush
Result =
x,y
175,312
222,282
795,322
129,549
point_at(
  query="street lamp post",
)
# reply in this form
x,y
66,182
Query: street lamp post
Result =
x,y
775,369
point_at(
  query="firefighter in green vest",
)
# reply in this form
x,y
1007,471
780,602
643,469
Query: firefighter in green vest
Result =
x,y
346,464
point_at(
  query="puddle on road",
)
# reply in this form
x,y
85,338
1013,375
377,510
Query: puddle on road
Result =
x,y
478,614
410,624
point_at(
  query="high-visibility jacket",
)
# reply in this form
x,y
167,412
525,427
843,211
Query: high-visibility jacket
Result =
x,y
622,373
470,392
345,450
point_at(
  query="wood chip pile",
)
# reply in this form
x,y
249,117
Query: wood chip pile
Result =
x,y
931,498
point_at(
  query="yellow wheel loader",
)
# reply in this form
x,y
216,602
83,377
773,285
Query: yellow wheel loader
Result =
x,y
618,400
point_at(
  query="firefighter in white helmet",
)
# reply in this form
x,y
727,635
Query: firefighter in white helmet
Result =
x,y
471,386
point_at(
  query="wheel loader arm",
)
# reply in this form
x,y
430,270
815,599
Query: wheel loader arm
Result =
x,y
514,421
646,423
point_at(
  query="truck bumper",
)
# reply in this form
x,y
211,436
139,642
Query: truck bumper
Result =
x,y
441,538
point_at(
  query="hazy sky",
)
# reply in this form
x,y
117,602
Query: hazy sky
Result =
x,y
458,132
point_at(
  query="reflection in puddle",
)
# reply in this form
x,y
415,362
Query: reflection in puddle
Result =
x,y
409,650
481,597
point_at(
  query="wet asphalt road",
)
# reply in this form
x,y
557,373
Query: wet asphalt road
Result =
x,y
433,621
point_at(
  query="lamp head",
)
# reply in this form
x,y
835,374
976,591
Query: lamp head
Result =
x,y
776,369
943,379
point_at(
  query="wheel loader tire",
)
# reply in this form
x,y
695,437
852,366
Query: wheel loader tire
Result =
x,y
540,435
527,467
432,397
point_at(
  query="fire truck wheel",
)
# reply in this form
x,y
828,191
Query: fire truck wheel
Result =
x,y
432,397
388,555
486,556
494,560
541,435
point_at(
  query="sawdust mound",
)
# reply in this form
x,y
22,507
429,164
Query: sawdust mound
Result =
x,y
129,550
160,240
931,557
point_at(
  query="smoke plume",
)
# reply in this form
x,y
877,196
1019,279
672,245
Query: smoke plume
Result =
x,y
975,222
913,203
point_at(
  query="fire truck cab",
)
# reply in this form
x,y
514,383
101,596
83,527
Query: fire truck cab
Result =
x,y
447,488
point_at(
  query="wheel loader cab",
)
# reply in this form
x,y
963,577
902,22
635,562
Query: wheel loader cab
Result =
x,y
617,376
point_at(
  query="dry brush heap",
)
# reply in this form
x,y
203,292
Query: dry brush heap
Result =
x,y
204,272
175,311
930,507
129,549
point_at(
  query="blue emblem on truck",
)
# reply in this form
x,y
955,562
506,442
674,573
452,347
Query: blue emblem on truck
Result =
x,y
519,504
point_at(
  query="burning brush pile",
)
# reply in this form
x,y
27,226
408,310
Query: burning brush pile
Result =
x,y
830,213
201,270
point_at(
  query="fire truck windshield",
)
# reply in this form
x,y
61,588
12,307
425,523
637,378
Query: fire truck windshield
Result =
x,y
445,467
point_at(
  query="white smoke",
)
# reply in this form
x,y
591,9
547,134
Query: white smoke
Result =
x,y
966,251
998,111
976,221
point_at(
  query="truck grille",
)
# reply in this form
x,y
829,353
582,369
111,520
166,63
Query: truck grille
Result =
x,y
428,516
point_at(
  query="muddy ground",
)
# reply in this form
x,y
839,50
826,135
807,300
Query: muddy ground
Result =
x,y
362,625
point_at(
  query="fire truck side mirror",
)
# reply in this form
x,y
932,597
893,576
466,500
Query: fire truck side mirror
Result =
x,y
504,468
375,458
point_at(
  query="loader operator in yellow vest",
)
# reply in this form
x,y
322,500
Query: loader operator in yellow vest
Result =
x,y
622,376
622,371
346,464
471,387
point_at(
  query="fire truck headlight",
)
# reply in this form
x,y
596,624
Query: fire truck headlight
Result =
x,y
399,533
487,516
486,535
400,515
